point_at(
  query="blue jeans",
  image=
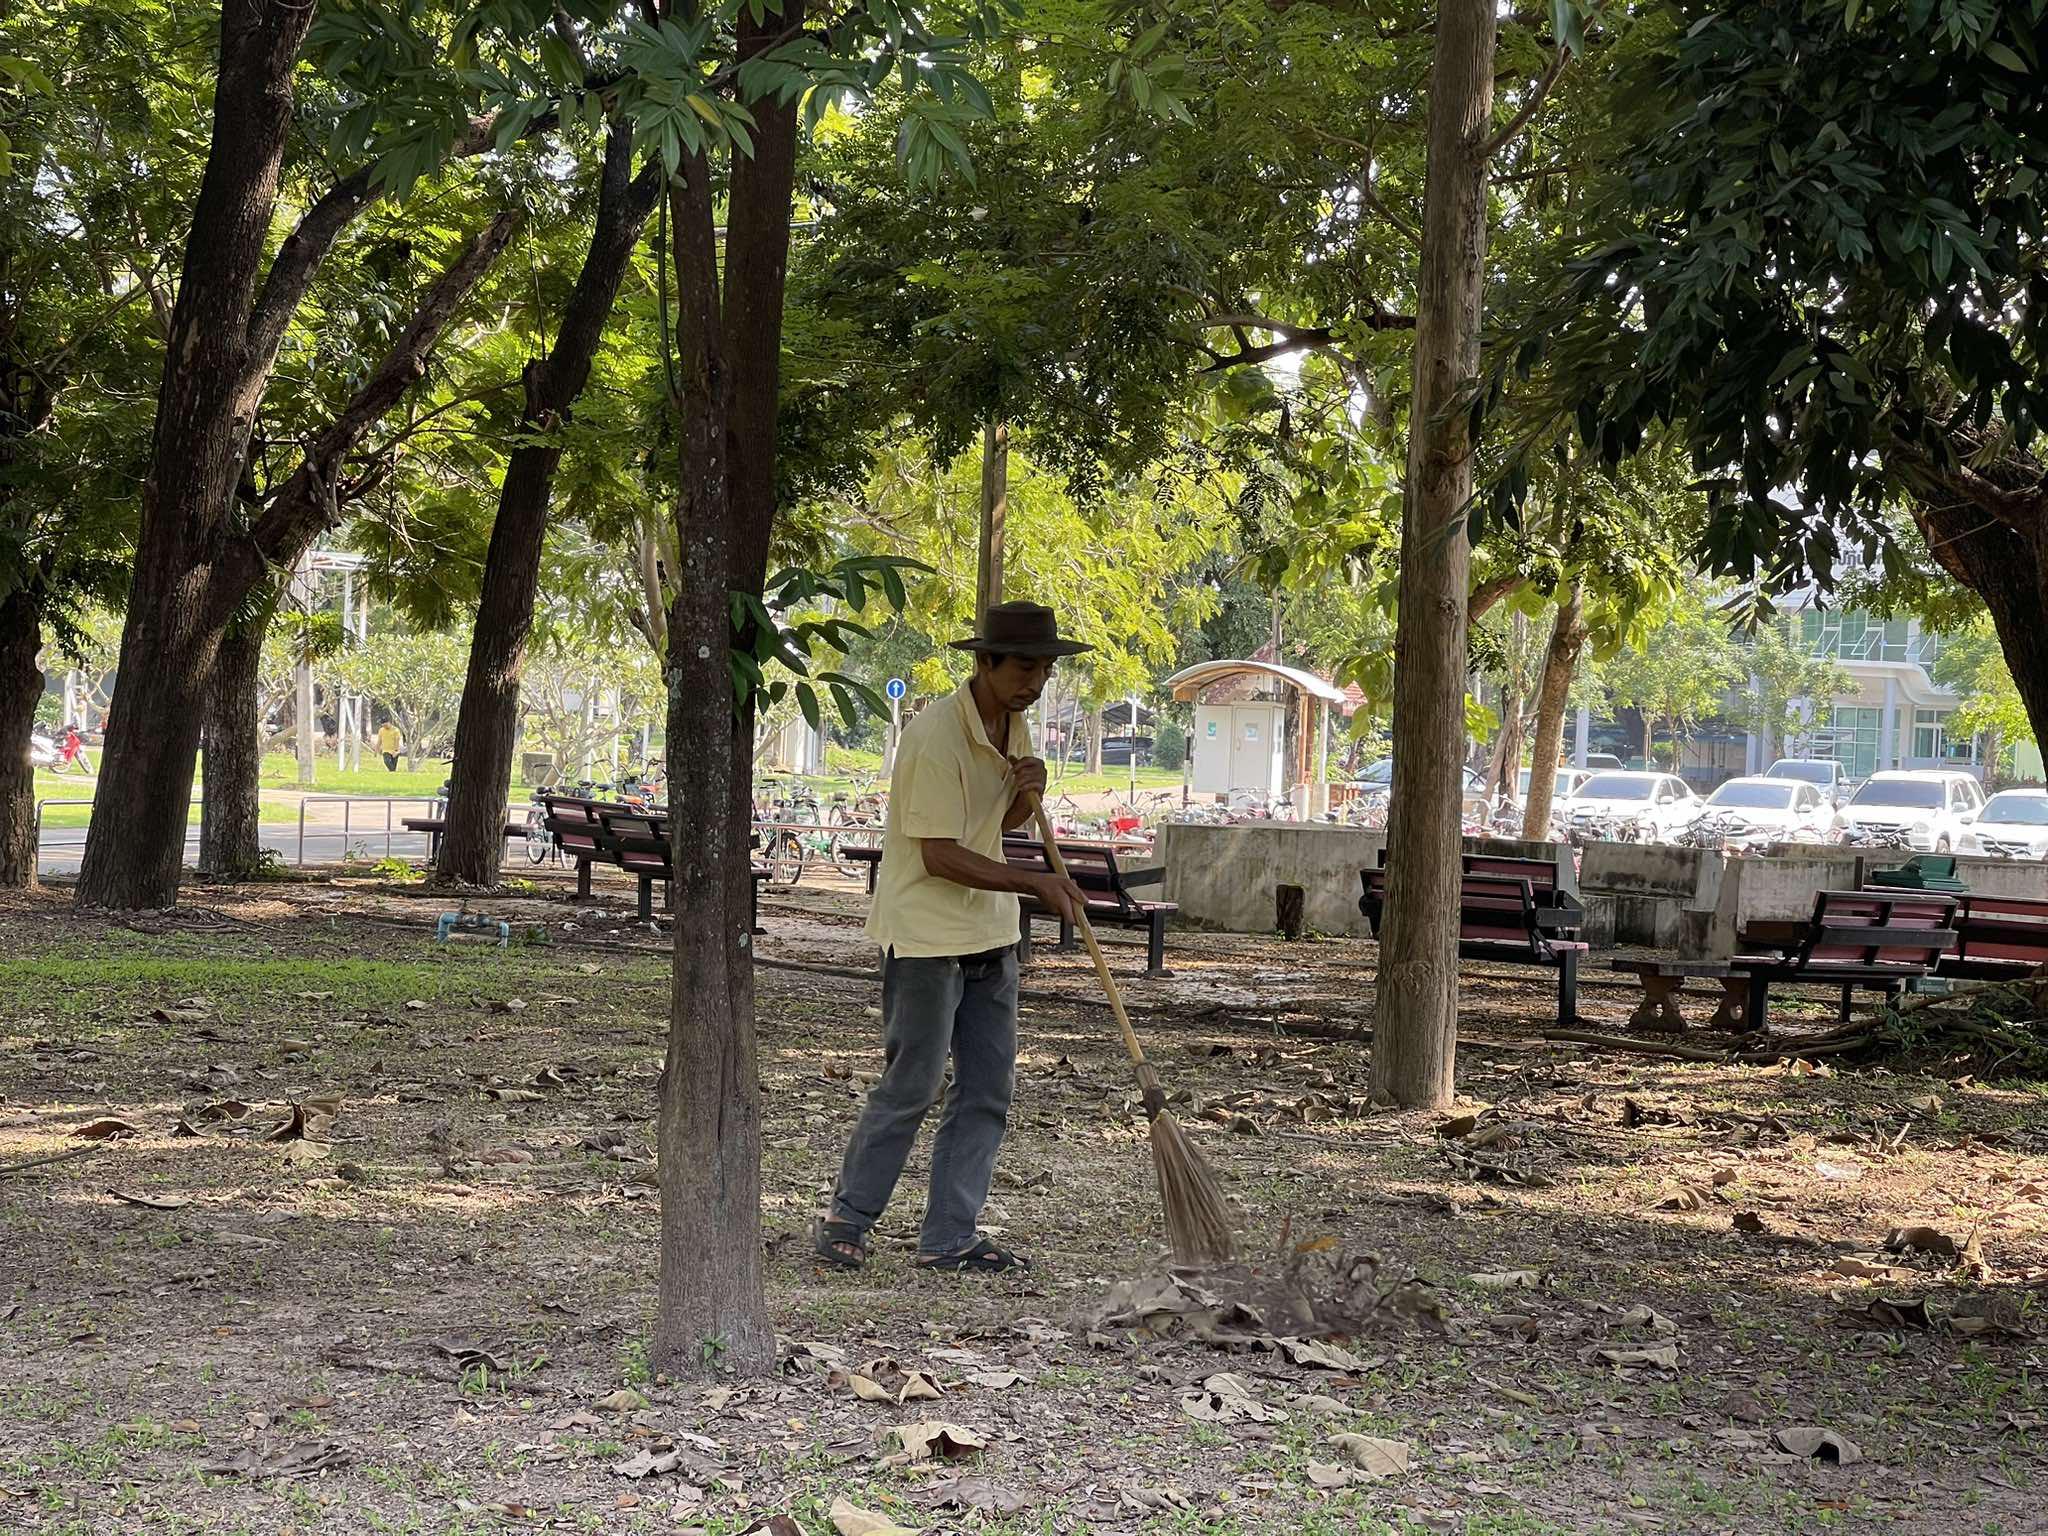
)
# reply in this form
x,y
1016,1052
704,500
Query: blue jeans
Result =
x,y
958,1006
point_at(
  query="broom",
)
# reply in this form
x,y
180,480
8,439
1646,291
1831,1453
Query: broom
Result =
x,y
1197,1221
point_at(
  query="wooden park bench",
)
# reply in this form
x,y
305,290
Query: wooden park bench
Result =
x,y
1093,867
1878,941
1997,938
635,840
1110,890
435,826
1508,909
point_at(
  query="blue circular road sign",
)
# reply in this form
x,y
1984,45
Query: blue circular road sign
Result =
x,y
895,688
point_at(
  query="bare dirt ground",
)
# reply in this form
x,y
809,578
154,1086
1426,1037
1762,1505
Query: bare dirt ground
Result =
x,y
1622,1293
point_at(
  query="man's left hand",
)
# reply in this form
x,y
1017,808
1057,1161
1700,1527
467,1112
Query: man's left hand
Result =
x,y
1028,774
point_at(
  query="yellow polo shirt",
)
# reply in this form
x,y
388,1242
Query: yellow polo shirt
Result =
x,y
949,782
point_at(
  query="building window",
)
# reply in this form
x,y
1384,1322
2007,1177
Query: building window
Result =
x,y
1851,740
1895,640
1930,733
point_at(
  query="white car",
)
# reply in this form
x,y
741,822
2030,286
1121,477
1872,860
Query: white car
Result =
x,y
2012,825
1824,773
1642,807
1929,811
1755,811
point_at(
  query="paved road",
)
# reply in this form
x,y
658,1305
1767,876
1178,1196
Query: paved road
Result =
x,y
62,847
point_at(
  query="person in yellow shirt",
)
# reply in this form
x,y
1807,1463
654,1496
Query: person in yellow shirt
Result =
x,y
389,742
945,917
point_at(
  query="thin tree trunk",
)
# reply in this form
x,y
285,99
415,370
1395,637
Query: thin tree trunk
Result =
x,y
1416,1031
995,508
713,1312
21,686
1095,739
229,814
487,729
1560,661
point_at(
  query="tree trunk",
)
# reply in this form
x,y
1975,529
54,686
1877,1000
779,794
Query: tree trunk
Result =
x,y
995,508
1560,661
713,1311
21,686
1416,1026
206,407
231,811
1095,739
487,728
2008,568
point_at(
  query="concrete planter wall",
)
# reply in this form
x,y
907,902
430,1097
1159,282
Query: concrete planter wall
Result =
x,y
1223,877
1690,900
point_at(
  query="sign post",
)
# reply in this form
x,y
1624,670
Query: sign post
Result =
x,y
895,688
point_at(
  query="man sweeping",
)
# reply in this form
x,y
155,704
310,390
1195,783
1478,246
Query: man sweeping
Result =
x,y
945,917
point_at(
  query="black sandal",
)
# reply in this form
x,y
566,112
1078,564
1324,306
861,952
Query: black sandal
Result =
x,y
983,1257
834,1237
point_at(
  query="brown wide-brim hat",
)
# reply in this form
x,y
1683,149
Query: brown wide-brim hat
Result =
x,y
1021,629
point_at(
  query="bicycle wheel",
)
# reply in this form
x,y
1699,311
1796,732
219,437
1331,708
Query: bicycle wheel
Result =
x,y
538,839
849,839
785,859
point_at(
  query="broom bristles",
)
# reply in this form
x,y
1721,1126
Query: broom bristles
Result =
x,y
1198,1223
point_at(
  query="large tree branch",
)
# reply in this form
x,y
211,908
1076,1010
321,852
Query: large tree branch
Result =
x,y
1531,104
309,498
306,247
1293,338
1489,592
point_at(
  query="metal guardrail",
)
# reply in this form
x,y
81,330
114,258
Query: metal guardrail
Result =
x,y
435,806
42,805
347,804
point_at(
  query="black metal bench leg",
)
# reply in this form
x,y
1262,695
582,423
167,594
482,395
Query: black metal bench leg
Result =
x,y
1567,987
1757,1016
753,904
1067,944
646,898
1842,1017
1023,939
1155,946
583,879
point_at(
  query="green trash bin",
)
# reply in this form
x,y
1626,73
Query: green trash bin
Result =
x,y
1922,872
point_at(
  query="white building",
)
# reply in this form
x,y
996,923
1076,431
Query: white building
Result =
x,y
1898,716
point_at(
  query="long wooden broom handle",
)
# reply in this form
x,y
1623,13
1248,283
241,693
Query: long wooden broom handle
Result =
x,y
1147,1079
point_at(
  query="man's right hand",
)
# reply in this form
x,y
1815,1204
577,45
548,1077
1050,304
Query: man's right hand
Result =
x,y
1059,894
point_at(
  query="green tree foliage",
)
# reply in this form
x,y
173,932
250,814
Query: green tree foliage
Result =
x,y
1680,673
1822,258
1972,664
1782,681
415,678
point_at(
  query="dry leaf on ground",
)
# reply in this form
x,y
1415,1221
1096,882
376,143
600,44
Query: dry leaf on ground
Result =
x,y
1373,1456
1327,1474
625,1400
107,1128
851,1520
917,1385
151,1202
930,1439
1507,1280
1648,1318
1662,1356
311,1119
1818,1443
1226,1398
977,1493
1321,1352
997,1379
